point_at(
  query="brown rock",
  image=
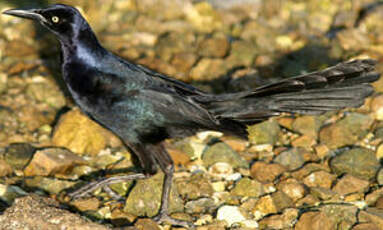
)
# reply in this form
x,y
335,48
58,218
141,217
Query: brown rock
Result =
x,y
5,169
183,62
366,226
349,184
292,188
89,204
34,212
281,221
377,107
314,221
372,215
307,125
208,69
320,179
308,200
304,141
52,161
79,134
266,173
146,224
214,47
372,197
265,206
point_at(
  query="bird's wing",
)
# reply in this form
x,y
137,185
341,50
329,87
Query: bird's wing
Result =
x,y
172,84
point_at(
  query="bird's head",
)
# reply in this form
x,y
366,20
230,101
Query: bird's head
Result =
x,y
64,21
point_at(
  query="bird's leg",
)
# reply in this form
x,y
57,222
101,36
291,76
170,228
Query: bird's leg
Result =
x,y
102,183
167,166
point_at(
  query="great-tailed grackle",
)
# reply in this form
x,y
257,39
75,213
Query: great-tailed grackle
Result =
x,y
143,107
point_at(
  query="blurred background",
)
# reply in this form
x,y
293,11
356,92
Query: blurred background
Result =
x,y
216,45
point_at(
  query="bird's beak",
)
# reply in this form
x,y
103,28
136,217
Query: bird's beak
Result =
x,y
29,14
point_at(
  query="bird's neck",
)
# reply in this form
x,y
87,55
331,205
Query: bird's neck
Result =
x,y
84,47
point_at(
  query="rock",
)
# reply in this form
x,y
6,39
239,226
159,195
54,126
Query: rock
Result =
x,y
314,221
201,206
208,69
242,53
3,82
221,152
322,193
183,62
45,91
346,131
344,216
304,141
292,188
49,185
248,188
216,47
358,162
9,193
266,173
379,177
221,170
168,10
308,200
372,215
286,220
51,161
376,107
202,16
5,168
79,134
88,204
320,179
171,44
194,187
349,184
366,226
34,212
145,197
230,214
373,196
146,224
292,159
264,133
307,125
264,206
19,155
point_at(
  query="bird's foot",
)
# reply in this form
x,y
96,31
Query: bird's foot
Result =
x,y
86,190
165,218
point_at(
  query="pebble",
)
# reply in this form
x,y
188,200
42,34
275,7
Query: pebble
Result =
x,y
230,214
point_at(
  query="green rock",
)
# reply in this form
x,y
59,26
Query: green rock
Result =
x,y
292,158
9,193
145,198
50,185
308,125
249,188
221,152
264,133
19,155
346,131
359,162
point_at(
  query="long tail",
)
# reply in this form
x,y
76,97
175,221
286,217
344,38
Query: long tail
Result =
x,y
344,85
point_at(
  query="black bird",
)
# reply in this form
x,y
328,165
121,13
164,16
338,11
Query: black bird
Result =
x,y
144,107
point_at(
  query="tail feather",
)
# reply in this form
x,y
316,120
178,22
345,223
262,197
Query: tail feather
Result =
x,y
344,85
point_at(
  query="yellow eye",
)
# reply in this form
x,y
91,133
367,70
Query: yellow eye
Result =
x,y
55,19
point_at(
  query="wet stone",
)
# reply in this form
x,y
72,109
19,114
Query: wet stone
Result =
x,y
50,185
230,214
292,188
314,221
286,220
308,125
358,162
320,179
372,215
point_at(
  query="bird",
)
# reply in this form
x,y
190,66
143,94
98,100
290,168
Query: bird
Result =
x,y
143,107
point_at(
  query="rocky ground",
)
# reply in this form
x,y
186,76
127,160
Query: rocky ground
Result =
x,y
302,172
